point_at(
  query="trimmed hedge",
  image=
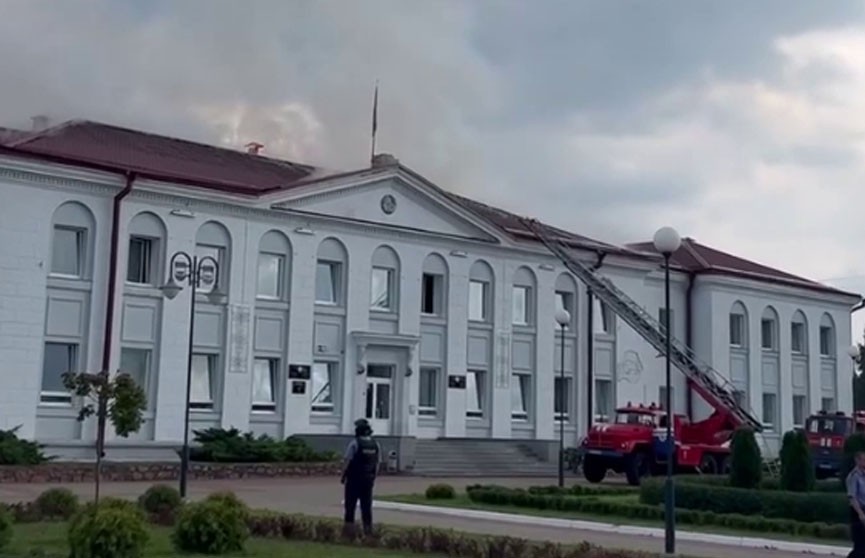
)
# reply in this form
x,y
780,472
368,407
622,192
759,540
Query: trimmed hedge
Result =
x,y
771,504
162,503
497,495
218,445
746,462
57,503
109,530
825,486
797,468
440,492
214,526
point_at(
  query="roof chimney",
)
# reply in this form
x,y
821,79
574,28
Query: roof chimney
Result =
x,y
384,160
40,122
254,147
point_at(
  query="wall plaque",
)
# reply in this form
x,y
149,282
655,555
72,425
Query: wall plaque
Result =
x,y
299,371
298,387
457,382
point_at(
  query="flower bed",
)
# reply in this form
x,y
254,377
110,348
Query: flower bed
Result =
x,y
595,504
419,540
772,504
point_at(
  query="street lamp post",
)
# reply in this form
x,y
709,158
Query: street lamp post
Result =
x,y
563,318
667,241
194,272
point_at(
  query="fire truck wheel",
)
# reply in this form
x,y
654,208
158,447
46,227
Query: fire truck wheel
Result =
x,y
594,470
708,465
636,467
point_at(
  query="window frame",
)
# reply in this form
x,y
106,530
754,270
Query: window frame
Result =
x,y
523,381
148,369
390,274
80,247
324,409
51,398
598,416
280,276
146,267
827,334
526,305
567,305
800,397
565,397
770,425
480,379
427,411
203,250
825,407
601,319
336,279
213,360
739,320
437,302
797,337
485,288
773,343
274,372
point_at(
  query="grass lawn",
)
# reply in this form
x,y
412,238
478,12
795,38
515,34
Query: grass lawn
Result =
x,y
49,540
462,501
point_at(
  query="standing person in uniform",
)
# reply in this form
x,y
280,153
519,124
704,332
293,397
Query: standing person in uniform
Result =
x,y
362,457
856,494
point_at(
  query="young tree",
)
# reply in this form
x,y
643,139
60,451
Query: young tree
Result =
x,y
117,398
797,469
746,467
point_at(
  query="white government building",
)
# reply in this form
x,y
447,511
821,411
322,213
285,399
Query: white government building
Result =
x,y
366,293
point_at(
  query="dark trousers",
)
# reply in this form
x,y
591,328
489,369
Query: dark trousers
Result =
x,y
857,533
360,490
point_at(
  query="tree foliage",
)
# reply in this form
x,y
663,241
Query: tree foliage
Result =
x,y
797,469
746,467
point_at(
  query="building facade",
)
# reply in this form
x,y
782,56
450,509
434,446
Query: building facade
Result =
x,y
371,293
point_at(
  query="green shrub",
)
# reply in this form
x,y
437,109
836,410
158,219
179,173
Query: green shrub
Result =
x,y
161,503
230,499
853,444
57,503
211,527
440,492
231,446
797,469
746,463
5,528
15,451
109,530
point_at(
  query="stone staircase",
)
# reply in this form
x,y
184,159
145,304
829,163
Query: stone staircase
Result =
x,y
479,458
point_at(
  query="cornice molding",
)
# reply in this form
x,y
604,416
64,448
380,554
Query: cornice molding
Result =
x,y
28,177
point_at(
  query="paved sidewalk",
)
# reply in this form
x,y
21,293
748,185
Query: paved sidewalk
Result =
x,y
323,496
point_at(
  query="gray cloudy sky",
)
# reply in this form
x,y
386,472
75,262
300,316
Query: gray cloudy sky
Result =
x,y
740,123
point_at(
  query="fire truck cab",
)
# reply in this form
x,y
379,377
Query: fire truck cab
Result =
x,y
826,433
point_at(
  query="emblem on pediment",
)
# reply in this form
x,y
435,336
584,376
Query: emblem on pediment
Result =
x,y
388,204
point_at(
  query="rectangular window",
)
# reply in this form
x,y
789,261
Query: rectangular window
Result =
x,y
800,409
265,375
565,301
828,404
429,392
521,306
562,398
520,396
381,292
477,301
826,341
136,363
431,294
770,410
767,330
475,393
271,271
737,330
662,397
662,319
600,317
797,337
67,251
322,387
209,279
740,398
603,400
139,263
327,283
59,359
203,376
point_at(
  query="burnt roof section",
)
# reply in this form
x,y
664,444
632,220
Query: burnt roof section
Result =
x,y
162,157
8,135
701,259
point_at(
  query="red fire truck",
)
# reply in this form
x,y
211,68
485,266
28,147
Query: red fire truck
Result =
x,y
635,444
826,433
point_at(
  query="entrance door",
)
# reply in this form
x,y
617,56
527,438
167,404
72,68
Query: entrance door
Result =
x,y
379,397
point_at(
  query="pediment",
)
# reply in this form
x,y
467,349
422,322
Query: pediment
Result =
x,y
396,203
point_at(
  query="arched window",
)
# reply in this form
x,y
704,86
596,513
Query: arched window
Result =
x,y
769,329
799,333
738,326
73,233
146,244
214,241
566,297
330,273
827,336
523,298
481,292
384,288
274,257
434,286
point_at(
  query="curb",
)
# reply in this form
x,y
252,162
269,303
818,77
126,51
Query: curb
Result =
x,y
653,532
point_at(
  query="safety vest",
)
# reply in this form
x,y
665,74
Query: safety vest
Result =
x,y
364,464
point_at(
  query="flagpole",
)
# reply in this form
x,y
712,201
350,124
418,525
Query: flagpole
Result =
x,y
374,122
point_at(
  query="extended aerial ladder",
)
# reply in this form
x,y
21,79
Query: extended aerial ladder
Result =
x,y
714,388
